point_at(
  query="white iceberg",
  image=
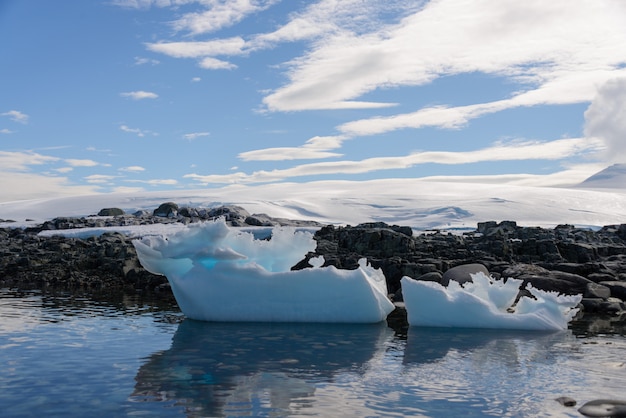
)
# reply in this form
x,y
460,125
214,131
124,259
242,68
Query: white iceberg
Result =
x,y
218,273
486,303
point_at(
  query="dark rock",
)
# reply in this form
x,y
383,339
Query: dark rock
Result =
x,y
566,401
462,274
604,408
618,289
594,290
166,210
111,212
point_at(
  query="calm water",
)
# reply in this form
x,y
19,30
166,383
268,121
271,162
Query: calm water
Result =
x,y
75,357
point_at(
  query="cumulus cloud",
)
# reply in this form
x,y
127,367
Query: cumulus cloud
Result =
x,y
139,95
16,116
605,119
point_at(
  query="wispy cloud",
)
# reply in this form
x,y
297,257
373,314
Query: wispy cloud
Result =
x,y
519,40
145,61
139,132
195,135
155,182
219,14
6,131
315,148
16,116
99,179
512,151
139,95
21,161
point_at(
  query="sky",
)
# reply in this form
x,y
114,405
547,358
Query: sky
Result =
x,y
108,96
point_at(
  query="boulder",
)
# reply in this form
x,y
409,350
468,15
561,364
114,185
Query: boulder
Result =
x,y
594,290
618,289
462,273
111,212
166,210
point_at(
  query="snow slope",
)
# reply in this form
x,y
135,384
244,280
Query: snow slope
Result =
x,y
416,203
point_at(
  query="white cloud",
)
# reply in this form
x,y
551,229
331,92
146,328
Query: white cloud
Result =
x,y
16,116
220,14
155,182
314,148
605,119
569,176
24,186
20,184
144,61
139,95
125,189
526,42
228,46
81,163
99,179
20,161
133,169
145,4
6,131
196,80
211,63
512,151
195,135
139,132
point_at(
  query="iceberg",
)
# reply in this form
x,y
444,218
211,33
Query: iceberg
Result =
x,y
219,273
486,303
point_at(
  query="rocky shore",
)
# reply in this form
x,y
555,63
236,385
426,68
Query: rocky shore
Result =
x,y
566,259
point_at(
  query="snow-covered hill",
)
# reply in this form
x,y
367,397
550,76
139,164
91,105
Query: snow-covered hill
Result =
x,y
416,203
613,177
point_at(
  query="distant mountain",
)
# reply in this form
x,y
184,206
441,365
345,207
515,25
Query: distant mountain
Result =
x,y
613,177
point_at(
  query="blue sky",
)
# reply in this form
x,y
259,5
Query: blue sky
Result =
x,y
132,95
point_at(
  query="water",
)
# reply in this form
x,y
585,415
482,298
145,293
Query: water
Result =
x,y
74,357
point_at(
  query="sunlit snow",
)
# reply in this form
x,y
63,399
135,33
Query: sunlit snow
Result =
x,y
486,303
218,273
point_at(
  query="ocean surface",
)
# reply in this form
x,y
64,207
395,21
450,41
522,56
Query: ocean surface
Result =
x,y
63,355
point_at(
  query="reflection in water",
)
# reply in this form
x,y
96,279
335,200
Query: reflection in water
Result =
x,y
245,368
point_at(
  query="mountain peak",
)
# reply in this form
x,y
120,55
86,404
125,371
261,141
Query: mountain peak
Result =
x,y
613,177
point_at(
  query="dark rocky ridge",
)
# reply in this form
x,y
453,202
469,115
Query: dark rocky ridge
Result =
x,y
564,259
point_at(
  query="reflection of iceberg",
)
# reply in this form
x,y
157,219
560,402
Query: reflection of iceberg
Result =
x,y
486,303
217,369
431,344
220,274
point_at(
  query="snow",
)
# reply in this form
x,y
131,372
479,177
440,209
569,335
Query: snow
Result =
x,y
219,273
416,203
486,303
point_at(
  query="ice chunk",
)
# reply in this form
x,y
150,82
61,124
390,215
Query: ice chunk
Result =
x,y
220,274
485,303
